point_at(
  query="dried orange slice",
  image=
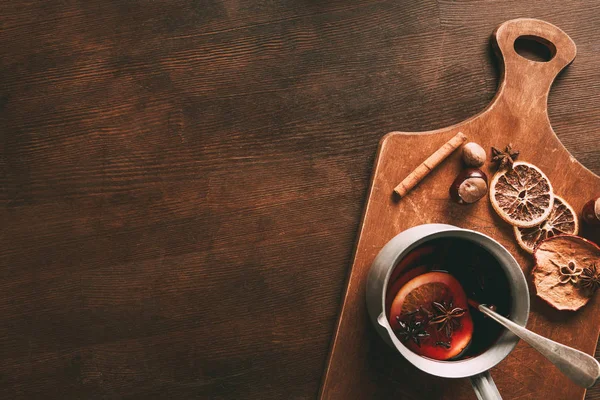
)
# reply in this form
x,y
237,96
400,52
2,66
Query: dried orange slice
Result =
x,y
522,196
561,221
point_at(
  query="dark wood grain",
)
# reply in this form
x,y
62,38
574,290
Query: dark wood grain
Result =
x,y
182,182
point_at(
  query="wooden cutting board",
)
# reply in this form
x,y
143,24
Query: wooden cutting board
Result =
x,y
360,365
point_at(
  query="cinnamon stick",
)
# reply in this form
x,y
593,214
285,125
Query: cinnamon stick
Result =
x,y
429,164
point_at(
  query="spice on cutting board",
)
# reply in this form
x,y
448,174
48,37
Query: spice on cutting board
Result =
x,y
504,158
429,164
473,155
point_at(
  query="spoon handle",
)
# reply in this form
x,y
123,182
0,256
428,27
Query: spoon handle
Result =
x,y
578,366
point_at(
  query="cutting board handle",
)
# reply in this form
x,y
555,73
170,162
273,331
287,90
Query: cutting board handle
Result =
x,y
531,80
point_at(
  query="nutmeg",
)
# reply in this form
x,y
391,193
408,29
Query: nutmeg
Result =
x,y
473,155
469,186
591,212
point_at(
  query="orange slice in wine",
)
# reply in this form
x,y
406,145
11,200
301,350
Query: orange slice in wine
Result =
x,y
419,303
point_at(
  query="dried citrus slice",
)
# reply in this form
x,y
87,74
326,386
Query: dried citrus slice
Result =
x,y
561,221
522,196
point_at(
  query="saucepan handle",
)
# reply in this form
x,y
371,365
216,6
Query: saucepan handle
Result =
x,y
484,387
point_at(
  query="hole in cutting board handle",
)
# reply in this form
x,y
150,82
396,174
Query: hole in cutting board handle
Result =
x,y
535,48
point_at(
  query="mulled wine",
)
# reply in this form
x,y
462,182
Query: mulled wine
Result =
x,y
432,294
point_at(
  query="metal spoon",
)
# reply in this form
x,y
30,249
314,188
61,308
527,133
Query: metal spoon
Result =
x,y
578,366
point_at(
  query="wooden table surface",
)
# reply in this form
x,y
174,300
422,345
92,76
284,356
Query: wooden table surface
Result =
x,y
182,181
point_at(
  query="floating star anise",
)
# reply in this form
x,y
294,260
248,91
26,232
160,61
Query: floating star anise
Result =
x,y
568,273
445,345
411,329
590,278
504,158
446,315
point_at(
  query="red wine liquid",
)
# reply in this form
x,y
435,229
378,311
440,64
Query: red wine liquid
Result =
x,y
479,274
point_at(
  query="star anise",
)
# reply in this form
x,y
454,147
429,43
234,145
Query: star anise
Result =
x,y
590,278
411,329
445,345
568,273
446,315
504,158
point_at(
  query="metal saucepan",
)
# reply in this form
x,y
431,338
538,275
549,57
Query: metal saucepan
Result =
x,y
475,368
581,368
